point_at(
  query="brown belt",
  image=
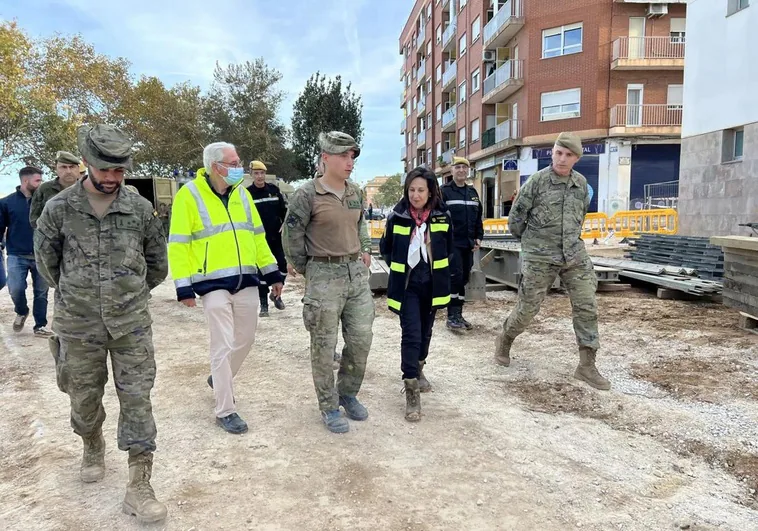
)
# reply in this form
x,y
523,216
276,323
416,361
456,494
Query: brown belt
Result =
x,y
336,259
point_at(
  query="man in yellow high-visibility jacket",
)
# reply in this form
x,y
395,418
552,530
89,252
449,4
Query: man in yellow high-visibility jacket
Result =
x,y
217,250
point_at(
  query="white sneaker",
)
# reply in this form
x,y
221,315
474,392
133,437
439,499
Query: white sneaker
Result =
x,y
43,332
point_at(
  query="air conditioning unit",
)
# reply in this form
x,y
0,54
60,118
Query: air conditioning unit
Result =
x,y
657,10
488,55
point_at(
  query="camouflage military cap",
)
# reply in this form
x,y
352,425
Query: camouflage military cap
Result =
x,y
570,141
64,157
131,188
105,146
336,143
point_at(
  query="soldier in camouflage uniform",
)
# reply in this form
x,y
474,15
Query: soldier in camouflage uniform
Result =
x,y
103,250
326,238
67,173
547,217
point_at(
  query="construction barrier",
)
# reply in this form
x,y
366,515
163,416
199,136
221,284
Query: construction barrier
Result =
x,y
597,225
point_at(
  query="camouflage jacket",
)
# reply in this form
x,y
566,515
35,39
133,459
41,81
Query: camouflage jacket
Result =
x,y
296,233
42,195
102,270
548,216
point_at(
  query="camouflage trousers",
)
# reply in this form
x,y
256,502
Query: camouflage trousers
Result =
x,y
580,282
82,372
334,293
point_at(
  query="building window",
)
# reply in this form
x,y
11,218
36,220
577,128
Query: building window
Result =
x,y
676,32
675,97
439,149
462,137
438,74
561,104
476,29
475,130
438,34
429,11
736,5
428,86
475,80
429,120
562,41
463,4
439,112
732,144
429,47
461,93
462,45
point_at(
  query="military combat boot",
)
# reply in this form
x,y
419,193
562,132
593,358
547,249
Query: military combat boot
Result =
x,y
463,320
503,349
264,307
93,460
587,372
140,498
412,400
423,384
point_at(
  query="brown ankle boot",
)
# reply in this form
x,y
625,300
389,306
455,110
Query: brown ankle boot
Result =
x,y
423,384
412,400
140,498
93,459
587,372
503,349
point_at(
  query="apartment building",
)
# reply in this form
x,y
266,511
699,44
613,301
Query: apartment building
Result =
x,y
497,80
719,163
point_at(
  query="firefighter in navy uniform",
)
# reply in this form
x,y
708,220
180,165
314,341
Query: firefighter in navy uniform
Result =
x,y
272,208
465,209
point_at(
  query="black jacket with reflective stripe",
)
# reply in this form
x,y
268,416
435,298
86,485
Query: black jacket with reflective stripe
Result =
x,y
466,212
394,249
271,206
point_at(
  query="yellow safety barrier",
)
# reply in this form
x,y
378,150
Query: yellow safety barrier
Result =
x,y
376,228
595,225
629,223
495,226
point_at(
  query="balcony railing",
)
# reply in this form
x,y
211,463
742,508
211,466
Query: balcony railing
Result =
x,y
450,73
402,125
449,117
447,156
510,10
508,71
648,48
421,39
403,153
488,138
448,34
421,105
421,72
508,130
650,115
421,139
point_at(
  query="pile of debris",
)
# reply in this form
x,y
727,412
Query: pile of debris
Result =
x,y
669,279
689,252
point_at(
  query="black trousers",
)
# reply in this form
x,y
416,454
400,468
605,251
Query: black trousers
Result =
x,y
275,244
416,320
460,271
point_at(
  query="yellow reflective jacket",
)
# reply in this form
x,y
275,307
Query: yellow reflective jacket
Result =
x,y
213,246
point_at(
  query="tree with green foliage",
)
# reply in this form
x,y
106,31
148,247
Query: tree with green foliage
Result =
x,y
391,192
324,105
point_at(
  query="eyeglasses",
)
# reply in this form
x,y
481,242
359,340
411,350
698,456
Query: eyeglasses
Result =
x,y
230,164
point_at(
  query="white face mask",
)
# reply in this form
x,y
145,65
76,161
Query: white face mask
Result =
x,y
234,176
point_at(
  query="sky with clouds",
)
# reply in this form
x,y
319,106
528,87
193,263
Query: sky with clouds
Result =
x,y
182,40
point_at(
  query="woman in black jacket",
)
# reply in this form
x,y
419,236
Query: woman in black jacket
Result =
x,y
416,245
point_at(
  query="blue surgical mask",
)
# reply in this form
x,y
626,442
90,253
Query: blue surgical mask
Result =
x,y
234,176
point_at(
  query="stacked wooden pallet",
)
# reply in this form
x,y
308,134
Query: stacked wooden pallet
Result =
x,y
740,272
680,251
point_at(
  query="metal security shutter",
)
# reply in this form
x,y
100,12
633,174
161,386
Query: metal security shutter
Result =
x,y
653,163
587,166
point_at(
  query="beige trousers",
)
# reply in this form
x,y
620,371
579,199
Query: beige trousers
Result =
x,y
232,320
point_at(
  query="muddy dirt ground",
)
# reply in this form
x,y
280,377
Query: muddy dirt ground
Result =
x,y
672,446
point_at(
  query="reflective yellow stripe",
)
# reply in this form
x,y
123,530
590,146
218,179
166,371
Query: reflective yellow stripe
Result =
x,y
396,266
439,227
439,264
397,229
395,305
440,301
